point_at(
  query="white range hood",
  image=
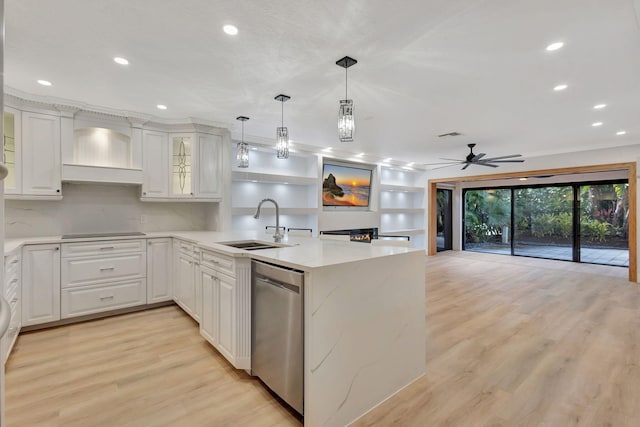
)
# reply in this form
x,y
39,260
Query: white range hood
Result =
x,y
101,174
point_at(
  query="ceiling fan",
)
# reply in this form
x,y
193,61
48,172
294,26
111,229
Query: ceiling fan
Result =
x,y
478,159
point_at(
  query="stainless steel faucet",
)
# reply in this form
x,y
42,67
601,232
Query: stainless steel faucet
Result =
x,y
276,237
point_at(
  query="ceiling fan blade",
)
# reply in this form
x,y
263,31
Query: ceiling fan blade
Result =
x,y
478,157
443,163
485,164
502,157
503,161
441,167
455,160
465,166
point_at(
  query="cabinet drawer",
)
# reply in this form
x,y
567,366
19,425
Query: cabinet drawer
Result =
x,y
84,271
97,298
218,262
185,247
106,247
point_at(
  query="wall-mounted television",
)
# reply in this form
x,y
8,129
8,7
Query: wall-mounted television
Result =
x,y
345,186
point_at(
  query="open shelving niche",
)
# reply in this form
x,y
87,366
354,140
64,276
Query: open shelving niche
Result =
x,y
402,204
293,182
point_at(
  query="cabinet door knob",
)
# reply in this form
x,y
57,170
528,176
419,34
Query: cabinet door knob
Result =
x,y
144,193
191,194
58,190
57,248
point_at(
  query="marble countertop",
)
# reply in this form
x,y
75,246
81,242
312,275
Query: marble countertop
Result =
x,y
303,253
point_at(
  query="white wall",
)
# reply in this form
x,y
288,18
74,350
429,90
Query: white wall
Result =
x,y
89,208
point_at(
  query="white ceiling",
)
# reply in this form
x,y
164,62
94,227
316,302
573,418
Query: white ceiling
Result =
x,y
425,67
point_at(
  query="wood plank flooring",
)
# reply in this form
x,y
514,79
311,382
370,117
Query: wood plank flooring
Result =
x,y
510,342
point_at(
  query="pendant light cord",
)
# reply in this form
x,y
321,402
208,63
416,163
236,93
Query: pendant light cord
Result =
x,y
346,82
243,131
282,113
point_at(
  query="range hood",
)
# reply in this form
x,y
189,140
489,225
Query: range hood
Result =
x,y
101,174
101,155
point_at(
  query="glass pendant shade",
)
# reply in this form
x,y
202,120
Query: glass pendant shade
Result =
x,y
282,142
242,155
346,121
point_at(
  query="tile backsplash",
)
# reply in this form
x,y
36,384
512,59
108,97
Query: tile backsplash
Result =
x,y
89,208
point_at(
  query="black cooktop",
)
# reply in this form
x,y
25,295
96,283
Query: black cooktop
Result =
x,y
89,235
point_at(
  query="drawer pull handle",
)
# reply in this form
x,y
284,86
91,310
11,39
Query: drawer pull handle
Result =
x,y
15,261
107,268
14,281
14,300
104,248
106,297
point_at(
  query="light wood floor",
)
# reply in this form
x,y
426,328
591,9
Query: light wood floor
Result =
x,y
510,342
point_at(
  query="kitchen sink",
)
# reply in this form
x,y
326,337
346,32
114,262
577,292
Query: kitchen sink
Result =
x,y
253,245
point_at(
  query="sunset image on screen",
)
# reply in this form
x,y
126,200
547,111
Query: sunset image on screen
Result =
x,y
345,186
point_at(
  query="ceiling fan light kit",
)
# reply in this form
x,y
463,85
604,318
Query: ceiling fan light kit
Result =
x,y
346,119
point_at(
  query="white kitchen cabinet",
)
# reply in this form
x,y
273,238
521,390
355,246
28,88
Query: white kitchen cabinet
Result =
x,y
40,284
159,270
41,165
226,310
13,150
196,166
186,293
12,293
102,276
209,318
226,306
155,164
208,166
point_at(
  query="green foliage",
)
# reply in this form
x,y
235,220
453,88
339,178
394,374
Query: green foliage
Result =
x,y
552,225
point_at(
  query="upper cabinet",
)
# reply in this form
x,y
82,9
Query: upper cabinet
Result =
x,y
182,166
155,164
12,150
32,154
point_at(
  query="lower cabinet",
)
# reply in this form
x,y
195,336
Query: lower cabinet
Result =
x,y
12,293
159,270
41,284
226,308
186,293
83,300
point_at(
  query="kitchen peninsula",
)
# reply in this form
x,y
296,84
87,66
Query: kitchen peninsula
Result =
x,y
363,309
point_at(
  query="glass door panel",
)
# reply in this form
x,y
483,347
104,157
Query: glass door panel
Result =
x,y
604,224
543,222
444,227
487,220
181,165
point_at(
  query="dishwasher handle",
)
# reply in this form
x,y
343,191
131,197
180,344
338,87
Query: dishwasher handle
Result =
x,y
278,284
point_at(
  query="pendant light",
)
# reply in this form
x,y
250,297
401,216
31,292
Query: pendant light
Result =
x,y
242,151
282,133
346,119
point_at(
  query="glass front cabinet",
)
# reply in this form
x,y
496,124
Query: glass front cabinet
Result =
x,y
12,149
196,166
181,165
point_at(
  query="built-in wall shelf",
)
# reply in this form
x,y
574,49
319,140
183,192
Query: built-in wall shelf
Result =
x,y
273,178
401,210
407,232
272,211
404,188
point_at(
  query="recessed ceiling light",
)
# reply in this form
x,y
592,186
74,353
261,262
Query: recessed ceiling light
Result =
x,y
161,107
360,155
599,106
555,46
44,82
387,160
412,163
120,60
524,179
596,124
232,30
327,149
621,132
560,87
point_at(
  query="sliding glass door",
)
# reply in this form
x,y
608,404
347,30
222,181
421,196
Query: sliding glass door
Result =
x,y
487,220
543,220
444,237
604,224
581,222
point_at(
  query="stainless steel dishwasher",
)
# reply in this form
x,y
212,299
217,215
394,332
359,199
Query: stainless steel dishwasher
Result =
x,y
277,330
